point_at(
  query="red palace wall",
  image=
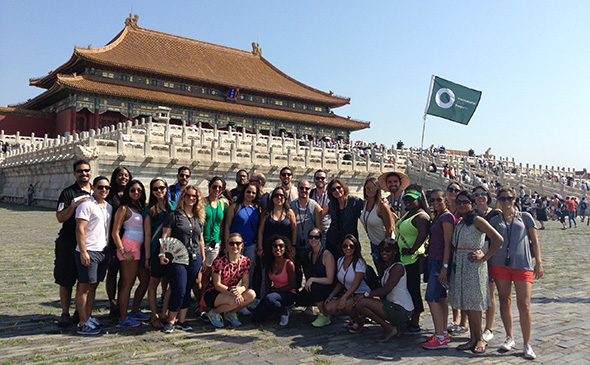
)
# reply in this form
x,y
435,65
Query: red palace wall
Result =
x,y
11,122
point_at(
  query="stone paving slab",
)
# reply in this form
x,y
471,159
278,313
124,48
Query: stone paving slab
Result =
x,y
29,308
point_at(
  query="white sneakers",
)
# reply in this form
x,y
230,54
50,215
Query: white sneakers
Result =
x,y
508,344
284,319
487,335
528,352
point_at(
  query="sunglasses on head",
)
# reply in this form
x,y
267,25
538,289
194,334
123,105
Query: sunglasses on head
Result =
x,y
102,187
234,243
432,200
158,188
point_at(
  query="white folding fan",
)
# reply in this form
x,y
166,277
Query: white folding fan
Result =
x,y
177,249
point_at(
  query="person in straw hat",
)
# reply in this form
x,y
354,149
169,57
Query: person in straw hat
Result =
x,y
395,182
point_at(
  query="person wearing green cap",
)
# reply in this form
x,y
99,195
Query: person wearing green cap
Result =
x,y
411,231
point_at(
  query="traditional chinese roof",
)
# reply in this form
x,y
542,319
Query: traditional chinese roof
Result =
x,y
169,56
98,86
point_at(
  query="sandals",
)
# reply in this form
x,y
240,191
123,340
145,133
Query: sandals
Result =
x,y
480,349
156,322
465,347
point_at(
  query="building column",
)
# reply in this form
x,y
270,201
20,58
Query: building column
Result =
x,y
72,119
96,119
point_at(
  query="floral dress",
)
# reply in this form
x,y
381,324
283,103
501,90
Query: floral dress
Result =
x,y
468,289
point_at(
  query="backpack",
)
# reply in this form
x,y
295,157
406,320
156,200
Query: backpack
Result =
x,y
583,204
372,279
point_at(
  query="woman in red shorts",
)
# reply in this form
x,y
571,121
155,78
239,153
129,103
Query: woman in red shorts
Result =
x,y
513,263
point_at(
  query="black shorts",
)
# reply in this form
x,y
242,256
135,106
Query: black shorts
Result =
x,y
210,296
65,271
157,270
97,269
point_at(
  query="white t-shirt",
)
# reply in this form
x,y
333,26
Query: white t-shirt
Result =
x,y
99,221
346,277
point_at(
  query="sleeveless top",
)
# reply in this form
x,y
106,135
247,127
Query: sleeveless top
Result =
x,y
399,294
319,269
305,219
211,227
405,236
245,222
281,279
373,224
134,227
272,227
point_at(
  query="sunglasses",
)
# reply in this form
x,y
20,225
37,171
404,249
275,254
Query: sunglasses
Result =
x,y
478,194
336,188
216,187
314,237
320,178
134,191
304,188
250,192
432,200
462,202
281,196
102,187
346,247
286,174
158,188
278,245
79,171
505,198
371,188
234,243
385,249
184,175
453,190
191,196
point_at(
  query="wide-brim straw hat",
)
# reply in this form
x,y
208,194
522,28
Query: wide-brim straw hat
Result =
x,y
404,179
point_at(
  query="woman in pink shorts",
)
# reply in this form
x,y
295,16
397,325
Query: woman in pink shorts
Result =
x,y
129,252
513,263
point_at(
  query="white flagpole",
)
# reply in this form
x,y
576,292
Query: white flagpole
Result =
x,y
422,143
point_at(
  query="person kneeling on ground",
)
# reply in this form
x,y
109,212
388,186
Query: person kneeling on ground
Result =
x,y
223,294
393,311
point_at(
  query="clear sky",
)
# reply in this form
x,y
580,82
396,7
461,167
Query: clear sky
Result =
x,y
531,60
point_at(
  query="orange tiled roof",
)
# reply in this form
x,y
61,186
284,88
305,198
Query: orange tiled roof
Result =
x,y
151,94
153,52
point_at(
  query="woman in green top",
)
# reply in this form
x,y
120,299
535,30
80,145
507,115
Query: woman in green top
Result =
x,y
411,231
214,211
158,207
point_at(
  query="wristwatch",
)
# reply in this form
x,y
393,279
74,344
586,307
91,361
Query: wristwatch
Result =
x,y
366,294
446,266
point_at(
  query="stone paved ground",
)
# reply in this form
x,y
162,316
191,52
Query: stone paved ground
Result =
x,y
29,307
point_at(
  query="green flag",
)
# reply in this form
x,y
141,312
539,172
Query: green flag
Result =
x,y
451,101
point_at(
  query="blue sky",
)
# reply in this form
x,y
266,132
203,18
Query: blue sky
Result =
x,y
531,60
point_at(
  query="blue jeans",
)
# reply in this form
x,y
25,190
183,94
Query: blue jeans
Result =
x,y
572,217
273,302
182,278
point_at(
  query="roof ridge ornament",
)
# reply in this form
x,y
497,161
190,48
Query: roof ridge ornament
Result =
x,y
256,50
132,20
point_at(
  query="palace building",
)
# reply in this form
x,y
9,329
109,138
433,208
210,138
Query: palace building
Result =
x,y
142,71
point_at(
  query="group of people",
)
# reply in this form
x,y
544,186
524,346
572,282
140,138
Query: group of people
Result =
x,y
249,252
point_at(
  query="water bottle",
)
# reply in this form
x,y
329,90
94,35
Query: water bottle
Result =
x,y
445,284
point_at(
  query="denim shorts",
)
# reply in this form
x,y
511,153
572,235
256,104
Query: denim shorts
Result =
x,y
434,289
